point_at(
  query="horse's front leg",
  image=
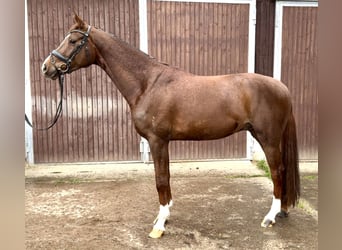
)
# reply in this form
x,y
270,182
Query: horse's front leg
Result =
x,y
160,154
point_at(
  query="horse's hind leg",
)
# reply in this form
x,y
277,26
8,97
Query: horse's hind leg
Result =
x,y
160,154
274,160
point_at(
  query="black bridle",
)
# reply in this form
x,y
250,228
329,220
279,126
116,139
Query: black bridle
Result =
x,y
61,72
68,60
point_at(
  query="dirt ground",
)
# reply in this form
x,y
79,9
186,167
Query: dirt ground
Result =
x,y
217,205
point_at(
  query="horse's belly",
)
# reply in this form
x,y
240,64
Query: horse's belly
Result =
x,y
203,129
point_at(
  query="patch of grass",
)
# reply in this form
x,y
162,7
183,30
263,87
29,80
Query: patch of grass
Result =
x,y
244,176
310,177
305,206
262,165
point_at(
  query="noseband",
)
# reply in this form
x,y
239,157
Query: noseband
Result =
x,y
68,60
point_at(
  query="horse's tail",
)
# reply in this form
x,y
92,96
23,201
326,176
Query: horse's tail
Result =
x,y
291,181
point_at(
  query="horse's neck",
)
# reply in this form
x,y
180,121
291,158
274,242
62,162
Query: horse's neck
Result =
x,y
126,66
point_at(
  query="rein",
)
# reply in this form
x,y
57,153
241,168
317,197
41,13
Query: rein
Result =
x,y
58,110
61,73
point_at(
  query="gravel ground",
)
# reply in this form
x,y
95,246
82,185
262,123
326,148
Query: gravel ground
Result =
x,y
217,205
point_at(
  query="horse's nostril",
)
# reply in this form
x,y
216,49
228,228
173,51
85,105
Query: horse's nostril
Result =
x,y
44,68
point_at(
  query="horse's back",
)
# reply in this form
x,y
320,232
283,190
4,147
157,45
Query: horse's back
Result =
x,y
248,93
256,83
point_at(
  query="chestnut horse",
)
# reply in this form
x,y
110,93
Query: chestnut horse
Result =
x,y
170,104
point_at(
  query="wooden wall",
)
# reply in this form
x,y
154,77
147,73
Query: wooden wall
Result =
x,y
96,124
299,66
205,39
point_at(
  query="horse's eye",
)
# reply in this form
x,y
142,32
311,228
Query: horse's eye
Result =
x,y
72,41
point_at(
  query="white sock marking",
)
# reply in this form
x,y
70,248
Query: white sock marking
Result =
x,y
275,209
164,214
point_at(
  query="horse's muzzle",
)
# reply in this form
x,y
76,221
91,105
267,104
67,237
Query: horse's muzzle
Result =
x,y
49,70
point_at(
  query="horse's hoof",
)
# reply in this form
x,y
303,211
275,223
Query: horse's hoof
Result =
x,y
267,223
283,214
156,233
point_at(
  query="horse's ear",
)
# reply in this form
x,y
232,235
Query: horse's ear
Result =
x,y
78,20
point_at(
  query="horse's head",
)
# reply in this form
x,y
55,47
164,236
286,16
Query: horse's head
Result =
x,y
75,51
